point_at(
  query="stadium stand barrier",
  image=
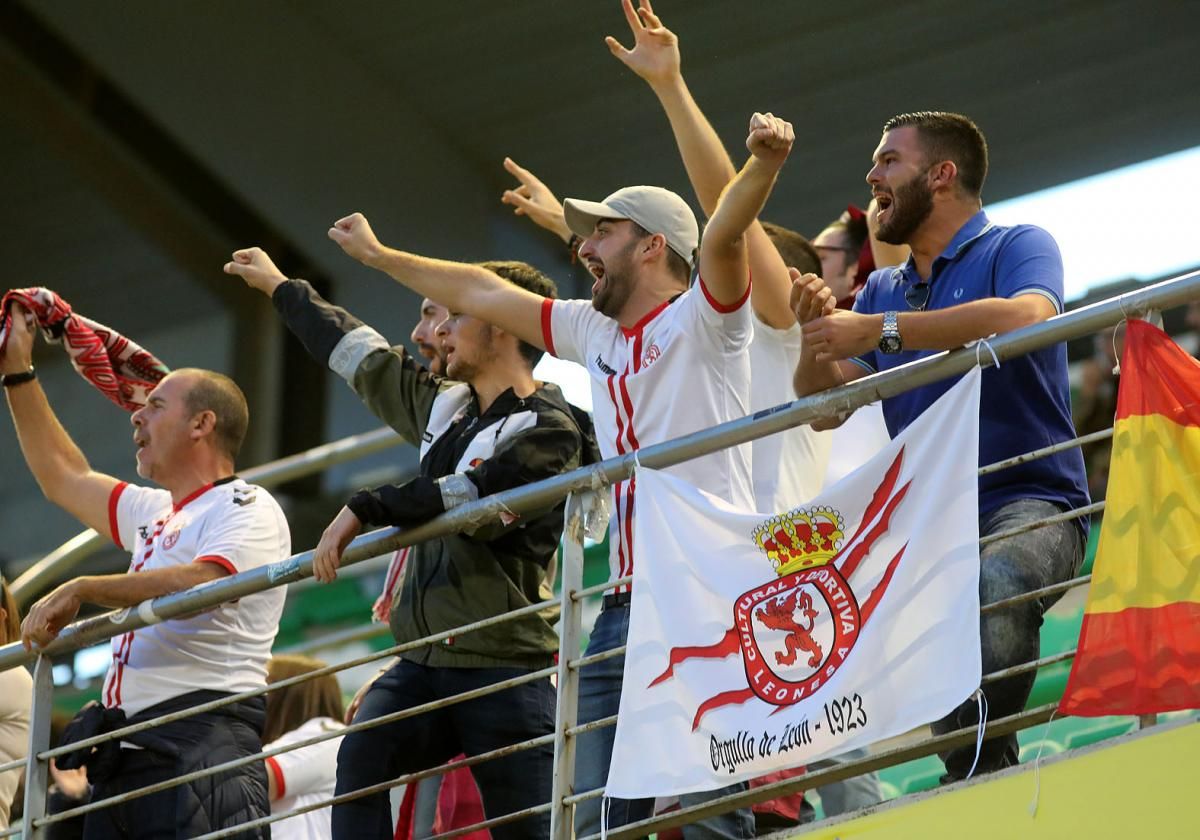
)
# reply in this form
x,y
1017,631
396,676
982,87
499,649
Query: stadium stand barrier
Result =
x,y
581,488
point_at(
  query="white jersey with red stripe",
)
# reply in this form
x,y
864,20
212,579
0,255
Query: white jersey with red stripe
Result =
x,y
236,525
684,367
305,776
789,467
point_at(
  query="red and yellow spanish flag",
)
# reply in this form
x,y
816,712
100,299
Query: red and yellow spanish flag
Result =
x,y
1139,648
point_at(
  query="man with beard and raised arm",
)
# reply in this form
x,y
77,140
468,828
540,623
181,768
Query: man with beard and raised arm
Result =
x,y
486,427
644,337
967,279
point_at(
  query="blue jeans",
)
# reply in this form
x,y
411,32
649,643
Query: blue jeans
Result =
x,y
512,783
600,697
1011,636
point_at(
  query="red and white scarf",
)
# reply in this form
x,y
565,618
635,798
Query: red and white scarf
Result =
x,y
114,365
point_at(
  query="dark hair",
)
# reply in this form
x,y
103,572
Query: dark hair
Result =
x,y
676,264
796,251
531,280
12,621
946,136
290,707
219,394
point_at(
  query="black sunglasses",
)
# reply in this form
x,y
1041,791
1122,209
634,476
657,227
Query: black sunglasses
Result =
x,y
917,295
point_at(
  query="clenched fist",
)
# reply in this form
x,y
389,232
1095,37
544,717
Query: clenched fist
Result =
x,y
353,233
255,266
810,297
770,138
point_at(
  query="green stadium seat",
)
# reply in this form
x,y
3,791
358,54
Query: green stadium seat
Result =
x,y
1101,729
1029,751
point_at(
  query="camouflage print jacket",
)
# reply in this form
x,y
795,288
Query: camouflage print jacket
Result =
x,y
465,455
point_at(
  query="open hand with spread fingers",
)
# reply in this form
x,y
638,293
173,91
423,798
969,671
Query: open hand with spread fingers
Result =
x,y
353,233
255,266
655,53
770,138
535,200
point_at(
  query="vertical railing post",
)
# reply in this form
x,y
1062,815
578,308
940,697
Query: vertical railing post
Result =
x,y
570,629
37,773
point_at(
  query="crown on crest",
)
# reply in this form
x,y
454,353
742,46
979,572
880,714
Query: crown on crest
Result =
x,y
801,538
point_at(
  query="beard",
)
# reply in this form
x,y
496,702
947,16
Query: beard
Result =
x,y
616,287
465,368
911,205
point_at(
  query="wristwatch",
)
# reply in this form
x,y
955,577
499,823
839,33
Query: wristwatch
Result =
x,y
889,338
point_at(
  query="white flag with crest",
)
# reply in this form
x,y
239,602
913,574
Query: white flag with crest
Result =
x,y
760,641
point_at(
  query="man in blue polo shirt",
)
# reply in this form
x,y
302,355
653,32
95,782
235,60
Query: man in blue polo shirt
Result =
x,y
967,279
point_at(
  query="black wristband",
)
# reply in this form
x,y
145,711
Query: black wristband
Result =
x,y
8,380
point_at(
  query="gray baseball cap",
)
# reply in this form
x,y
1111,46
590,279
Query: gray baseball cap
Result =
x,y
655,209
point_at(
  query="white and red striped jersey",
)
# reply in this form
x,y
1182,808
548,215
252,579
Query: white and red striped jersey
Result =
x,y
682,368
236,525
789,467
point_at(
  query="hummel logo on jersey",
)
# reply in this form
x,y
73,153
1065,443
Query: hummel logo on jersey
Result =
x,y
144,533
243,497
600,364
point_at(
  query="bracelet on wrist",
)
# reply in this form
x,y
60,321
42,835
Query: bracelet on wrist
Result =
x,y
9,380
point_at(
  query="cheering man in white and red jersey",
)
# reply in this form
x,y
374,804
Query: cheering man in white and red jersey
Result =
x,y
645,338
203,524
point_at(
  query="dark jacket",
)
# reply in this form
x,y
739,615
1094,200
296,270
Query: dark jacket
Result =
x,y
194,743
465,455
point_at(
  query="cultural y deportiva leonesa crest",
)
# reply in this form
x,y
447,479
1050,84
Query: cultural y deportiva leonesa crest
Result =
x,y
796,630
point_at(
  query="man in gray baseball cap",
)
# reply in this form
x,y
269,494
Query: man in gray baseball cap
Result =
x,y
646,339
656,210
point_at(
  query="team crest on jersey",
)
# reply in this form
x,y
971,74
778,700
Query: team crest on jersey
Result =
x,y
651,355
170,539
793,632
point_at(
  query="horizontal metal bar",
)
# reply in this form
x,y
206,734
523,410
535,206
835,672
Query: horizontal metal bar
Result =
x,y
1024,667
539,495
12,765
599,723
1065,516
52,567
835,773
310,675
1045,451
588,591
584,661
339,638
405,779
1034,594
495,821
233,764
13,829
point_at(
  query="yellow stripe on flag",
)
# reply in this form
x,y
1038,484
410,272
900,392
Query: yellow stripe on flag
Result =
x,y
1149,552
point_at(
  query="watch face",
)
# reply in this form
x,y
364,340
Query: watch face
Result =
x,y
889,344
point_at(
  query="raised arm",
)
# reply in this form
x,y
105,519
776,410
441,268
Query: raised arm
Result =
x,y
655,58
460,287
390,383
61,470
723,260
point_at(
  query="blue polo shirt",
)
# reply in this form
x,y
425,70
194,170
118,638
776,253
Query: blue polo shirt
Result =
x,y
1025,403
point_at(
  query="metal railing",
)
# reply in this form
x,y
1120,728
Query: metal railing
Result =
x,y
55,565
580,488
